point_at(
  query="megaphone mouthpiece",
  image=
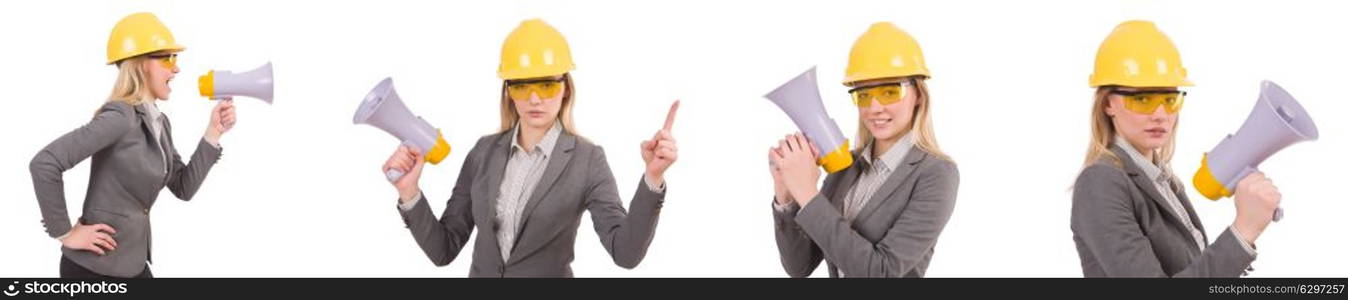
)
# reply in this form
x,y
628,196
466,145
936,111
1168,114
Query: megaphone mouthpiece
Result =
x,y
256,83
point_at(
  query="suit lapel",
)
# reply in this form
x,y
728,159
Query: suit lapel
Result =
x,y
148,131
166,144
896,178
495,168
838,194
560,157
1148,187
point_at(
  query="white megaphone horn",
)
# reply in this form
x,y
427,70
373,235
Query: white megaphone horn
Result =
x,y
384,110
799,98
1276,122
255,83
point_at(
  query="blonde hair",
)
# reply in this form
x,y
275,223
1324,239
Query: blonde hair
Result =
x,y
920,126
509,116
133,82
1102,135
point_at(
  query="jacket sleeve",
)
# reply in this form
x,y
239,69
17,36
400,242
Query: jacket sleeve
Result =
x,y
443,240
625,235
186,179
799,255
113,121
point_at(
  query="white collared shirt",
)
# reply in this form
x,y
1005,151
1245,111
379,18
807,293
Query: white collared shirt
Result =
x,y
523,171
874,173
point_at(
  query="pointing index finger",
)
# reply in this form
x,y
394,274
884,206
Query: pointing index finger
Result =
x,y
673,110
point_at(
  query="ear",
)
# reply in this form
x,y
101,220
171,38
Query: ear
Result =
x,y
568,88
919,97
1110,108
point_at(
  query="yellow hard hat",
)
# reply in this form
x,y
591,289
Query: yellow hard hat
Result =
x,y
137,34
885,51
1137,54
534,49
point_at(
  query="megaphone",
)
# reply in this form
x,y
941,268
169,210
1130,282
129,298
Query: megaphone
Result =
x,y
1277,121
384,110
799,98
255,83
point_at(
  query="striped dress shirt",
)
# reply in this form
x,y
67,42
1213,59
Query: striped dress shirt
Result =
x,y
523,171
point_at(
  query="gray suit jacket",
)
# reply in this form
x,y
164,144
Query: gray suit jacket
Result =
x,y
576,179
124,181
1123,227
895,233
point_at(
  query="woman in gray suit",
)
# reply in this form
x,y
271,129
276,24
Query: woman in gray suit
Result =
x,y
525,187
1130,215
133,159
881,216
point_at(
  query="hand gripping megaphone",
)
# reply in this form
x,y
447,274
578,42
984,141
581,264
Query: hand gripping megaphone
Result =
x,y
384,110
1277,121
799,98
255,83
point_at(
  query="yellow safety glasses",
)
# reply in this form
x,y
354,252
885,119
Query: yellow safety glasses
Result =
x,y
886,94
1146,102
545,88
169,61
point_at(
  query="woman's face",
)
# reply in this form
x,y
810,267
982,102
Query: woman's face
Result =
x,y
887,122
538,100
1145,131
161,71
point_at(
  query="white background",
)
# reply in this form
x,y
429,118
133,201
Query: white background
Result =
x,y
298,191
